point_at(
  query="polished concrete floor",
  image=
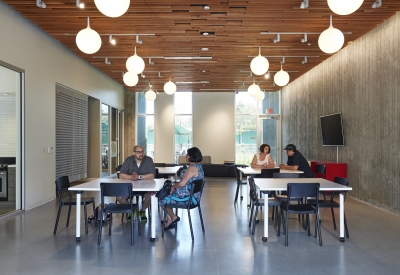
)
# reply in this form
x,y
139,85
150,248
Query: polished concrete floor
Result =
x,y
28,246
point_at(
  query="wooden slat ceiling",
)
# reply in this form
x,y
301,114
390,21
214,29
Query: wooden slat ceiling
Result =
x,y
178,24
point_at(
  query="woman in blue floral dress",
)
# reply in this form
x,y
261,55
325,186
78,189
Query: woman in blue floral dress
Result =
x,y
180,192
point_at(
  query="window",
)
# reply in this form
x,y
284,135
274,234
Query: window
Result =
x,y
256,123
183,123
145,124
246,128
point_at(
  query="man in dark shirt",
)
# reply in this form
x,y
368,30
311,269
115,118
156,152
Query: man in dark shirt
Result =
x,y
296,161
137,167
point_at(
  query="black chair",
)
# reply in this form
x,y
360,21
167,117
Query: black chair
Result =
x,y
197,186
296,190
62,185
269,173
333,204
256,202
320,169
118,168
117,190
238,181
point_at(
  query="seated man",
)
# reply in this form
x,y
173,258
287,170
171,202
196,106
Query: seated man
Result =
x,y
296,161
137,167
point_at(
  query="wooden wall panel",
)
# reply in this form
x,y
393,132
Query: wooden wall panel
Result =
x,y
129,123
361,81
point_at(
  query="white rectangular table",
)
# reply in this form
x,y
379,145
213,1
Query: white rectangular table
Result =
x,y
153,185
281,185
169,170
257,171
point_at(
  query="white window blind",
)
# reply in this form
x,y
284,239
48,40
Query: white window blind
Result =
x,y
71,134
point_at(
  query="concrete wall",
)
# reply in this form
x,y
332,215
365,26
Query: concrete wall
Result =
x,y
46,62
361,81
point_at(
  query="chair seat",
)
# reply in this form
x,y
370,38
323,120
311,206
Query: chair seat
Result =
x,y
325,203
83,201
284,198
118,208
303,208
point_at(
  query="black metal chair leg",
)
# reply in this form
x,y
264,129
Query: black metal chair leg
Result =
x,y
201,218
109,223
85,216
333,218
251,215
69,213
165,221
132,229
100,227
94,216
254,221
237,192
190,223
58,218
286,230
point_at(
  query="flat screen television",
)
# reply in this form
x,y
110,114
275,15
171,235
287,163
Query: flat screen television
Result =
x,y
332,130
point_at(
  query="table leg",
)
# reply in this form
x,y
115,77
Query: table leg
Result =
x,y
154,207
265,238
78,215
341,211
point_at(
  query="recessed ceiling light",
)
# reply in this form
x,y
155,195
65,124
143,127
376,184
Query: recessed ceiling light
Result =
x,y
205,33
206,7
203,71
204,49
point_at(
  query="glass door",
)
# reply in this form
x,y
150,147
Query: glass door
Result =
x,y
268,129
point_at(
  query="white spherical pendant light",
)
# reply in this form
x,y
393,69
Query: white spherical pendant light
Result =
x,y
135,64
260,96
150,95
253,89
88,40
331,40
281,78
344,7
112,8
259,65
130,79
170,87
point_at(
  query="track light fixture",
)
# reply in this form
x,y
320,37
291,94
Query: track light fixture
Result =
x,y
377,4
304,4
304,39
250,74
138,39
142,75
304,60
107,61
206,7
112,40
150,61
283,60
159,74
277,38
40,4
80,4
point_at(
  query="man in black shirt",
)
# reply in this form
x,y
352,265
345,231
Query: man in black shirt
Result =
x,y
296,161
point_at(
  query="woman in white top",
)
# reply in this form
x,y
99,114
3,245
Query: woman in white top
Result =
x,y
263,159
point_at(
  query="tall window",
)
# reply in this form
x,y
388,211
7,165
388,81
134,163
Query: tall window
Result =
x,y
246,128
183,123
145,124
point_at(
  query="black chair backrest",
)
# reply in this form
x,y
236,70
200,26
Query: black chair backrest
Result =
x,y
269,173
157,176
320,169
340,180
300,190
253,192
286,175
62,183
160,164
197,186
116,189
118,167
